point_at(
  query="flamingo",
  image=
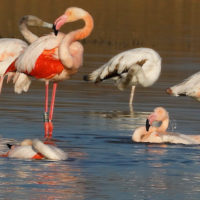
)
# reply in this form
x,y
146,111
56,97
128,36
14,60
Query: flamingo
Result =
x,y
140,66
35,149
11,48
189,87
159,134
55,57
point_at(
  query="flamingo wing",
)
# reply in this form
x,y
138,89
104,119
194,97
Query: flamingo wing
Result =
x,y
124,67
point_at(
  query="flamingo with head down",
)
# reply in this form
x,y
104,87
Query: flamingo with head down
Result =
x,y
140,66
35,149
159,134
11,48
55,57
189,87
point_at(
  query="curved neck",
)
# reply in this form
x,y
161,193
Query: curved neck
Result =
x,y
28,35
165,123
64,52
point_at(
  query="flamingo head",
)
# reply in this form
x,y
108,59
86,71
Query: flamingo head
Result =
x,y
71,14
159,114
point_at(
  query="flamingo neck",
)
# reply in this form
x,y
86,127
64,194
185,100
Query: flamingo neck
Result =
x,y
86,30
163,127
64,52
27,34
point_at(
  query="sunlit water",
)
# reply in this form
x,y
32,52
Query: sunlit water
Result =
x,y
94,125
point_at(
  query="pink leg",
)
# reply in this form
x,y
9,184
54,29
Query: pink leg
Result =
x,y
46,120
51,109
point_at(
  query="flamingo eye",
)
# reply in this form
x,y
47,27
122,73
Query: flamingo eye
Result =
x,y
69,13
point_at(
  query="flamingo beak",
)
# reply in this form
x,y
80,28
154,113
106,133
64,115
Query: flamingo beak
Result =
x,y
9,146
55,30
147,125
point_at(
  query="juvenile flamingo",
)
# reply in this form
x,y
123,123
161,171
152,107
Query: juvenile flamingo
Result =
x,y
189,87
159,134
35,149
140,66
11,48
55,58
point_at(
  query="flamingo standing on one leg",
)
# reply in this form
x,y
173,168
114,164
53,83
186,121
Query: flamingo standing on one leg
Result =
x,y
189,87
11,48
140,66
55,58
159,134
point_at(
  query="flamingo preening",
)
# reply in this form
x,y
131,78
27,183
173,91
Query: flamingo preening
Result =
x,y
189,87
35,149
55,57
159,134
11,48
140,66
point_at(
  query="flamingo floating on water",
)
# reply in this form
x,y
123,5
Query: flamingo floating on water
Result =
x,y
35,149
140,66
189,87
55,58
159,134
11,48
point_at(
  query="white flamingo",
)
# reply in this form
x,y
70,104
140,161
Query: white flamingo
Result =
x,y
140,66
35,149
11,48
189,87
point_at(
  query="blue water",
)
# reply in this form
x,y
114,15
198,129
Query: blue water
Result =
x,y
94,125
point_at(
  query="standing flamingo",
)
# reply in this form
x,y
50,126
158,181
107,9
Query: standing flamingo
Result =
x,y
11,48
189,87
140,66
55,58
159,134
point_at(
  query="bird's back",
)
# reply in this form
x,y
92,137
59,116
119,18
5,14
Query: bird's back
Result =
x,y
119,66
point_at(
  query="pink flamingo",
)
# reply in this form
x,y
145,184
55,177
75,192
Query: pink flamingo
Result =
x,y
159,134
11,48
55,58
35,149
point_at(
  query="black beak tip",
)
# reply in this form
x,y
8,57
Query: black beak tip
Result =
x,y
9,146
147,125
55,30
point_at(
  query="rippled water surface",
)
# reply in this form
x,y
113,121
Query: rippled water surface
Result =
x,y
93,123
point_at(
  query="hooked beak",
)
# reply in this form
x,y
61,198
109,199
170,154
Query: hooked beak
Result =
x,y
55,30
9,146
147,125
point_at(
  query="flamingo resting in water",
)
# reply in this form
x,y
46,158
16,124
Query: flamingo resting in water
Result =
x,y
159,134
35,149
140,66
189,87
55,58
11,48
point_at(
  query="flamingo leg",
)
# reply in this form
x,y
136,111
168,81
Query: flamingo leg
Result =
x,y
52,109
46,120
131,99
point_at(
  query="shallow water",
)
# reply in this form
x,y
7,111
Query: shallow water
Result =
x,y
93,123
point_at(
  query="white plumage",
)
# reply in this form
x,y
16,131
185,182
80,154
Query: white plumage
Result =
x,y
140,66
28,149
189,87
